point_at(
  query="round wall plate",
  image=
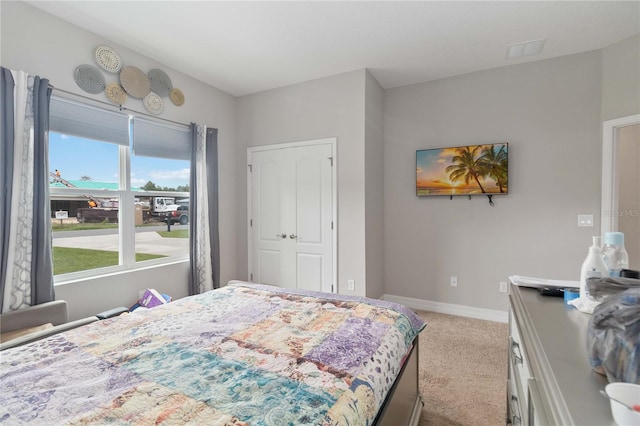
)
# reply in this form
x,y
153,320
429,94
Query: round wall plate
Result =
x,y
115,93
135,82
153,103
176,97
160,82
89,78
108,59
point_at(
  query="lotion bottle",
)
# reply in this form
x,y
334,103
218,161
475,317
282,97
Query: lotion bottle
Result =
x,y
593,266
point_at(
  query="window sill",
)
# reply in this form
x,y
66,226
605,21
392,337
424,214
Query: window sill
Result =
x,y
77,277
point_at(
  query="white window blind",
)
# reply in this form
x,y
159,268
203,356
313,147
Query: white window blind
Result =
x,y
164,140
86,121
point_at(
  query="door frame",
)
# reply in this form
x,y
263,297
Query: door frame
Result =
x,y
608,216
334,199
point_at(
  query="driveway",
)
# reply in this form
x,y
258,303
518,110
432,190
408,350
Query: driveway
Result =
x,y
146,242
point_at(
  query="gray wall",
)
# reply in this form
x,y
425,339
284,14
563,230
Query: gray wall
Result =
x,y
374,186
327,107
549,112
38,43
621,79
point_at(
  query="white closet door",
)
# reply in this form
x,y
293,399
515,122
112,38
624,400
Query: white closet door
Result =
x,y
291,211
269,217
313,210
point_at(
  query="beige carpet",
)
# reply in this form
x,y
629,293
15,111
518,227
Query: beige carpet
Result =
x,y
463,371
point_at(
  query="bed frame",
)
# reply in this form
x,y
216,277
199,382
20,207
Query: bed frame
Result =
x,y
403,405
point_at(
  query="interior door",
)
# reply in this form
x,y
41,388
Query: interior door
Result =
x,y
269,217
291,216
313,216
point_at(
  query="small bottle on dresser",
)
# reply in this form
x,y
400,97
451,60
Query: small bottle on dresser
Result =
x,y
593,266
614,254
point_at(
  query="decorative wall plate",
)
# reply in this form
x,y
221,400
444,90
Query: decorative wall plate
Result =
x,y
176,97
108,59
89,78
115,93
153,103
135,82
160,82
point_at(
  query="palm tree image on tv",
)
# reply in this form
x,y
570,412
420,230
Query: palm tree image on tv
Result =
x,y
466,170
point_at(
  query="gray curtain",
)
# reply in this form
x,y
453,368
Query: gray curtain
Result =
x,y
42,260
6,171
203,211
26,267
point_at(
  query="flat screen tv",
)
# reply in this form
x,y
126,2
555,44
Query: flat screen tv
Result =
x,y
463,170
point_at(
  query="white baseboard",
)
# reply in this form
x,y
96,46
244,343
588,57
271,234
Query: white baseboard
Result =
x,y
448,308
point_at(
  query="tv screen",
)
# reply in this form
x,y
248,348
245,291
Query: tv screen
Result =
x,y
464,170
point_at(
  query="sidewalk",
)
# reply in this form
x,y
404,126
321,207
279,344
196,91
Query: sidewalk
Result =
x,y
146,242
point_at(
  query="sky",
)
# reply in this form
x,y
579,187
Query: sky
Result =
x,y
431,165
76,157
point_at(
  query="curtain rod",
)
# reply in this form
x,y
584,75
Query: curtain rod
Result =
x,y
120,107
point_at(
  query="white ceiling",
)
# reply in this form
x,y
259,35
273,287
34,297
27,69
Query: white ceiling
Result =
x,y
246,47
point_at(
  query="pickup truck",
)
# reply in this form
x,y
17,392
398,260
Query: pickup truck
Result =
x,y
177,213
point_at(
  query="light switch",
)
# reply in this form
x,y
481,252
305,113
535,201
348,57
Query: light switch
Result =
x,y
585,220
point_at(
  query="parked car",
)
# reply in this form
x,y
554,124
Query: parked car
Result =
x,y
179,214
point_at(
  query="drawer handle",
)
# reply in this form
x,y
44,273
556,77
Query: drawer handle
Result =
x,y
516,347
515,419
536,406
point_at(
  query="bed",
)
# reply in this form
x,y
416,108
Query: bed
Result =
x,y
244,354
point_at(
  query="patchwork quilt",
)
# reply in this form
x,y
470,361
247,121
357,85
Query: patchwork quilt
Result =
x,y
244,354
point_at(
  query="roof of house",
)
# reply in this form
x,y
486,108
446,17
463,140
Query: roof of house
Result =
x,y
90,184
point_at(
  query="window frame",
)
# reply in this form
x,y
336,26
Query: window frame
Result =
x,y
126,215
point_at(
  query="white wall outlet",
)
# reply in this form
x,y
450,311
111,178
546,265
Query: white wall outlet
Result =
x,y
585,220
351,285
503,286
453,281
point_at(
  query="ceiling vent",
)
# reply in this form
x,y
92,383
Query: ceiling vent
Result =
x,y
527,48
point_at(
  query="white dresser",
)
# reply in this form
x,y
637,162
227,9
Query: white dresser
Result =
x,y
550,380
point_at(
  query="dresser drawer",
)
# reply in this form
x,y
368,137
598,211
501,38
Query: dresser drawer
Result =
x,y
514,406
519,367
549,371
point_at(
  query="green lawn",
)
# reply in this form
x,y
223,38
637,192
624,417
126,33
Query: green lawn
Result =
x,y
67,259
55,226
177,233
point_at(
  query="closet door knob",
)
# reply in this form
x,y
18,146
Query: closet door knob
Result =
x,y
293,236
281,235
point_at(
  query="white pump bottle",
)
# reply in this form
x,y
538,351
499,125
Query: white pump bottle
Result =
x,y
593,266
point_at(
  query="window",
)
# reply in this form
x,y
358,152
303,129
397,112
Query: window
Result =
x,y
119,186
